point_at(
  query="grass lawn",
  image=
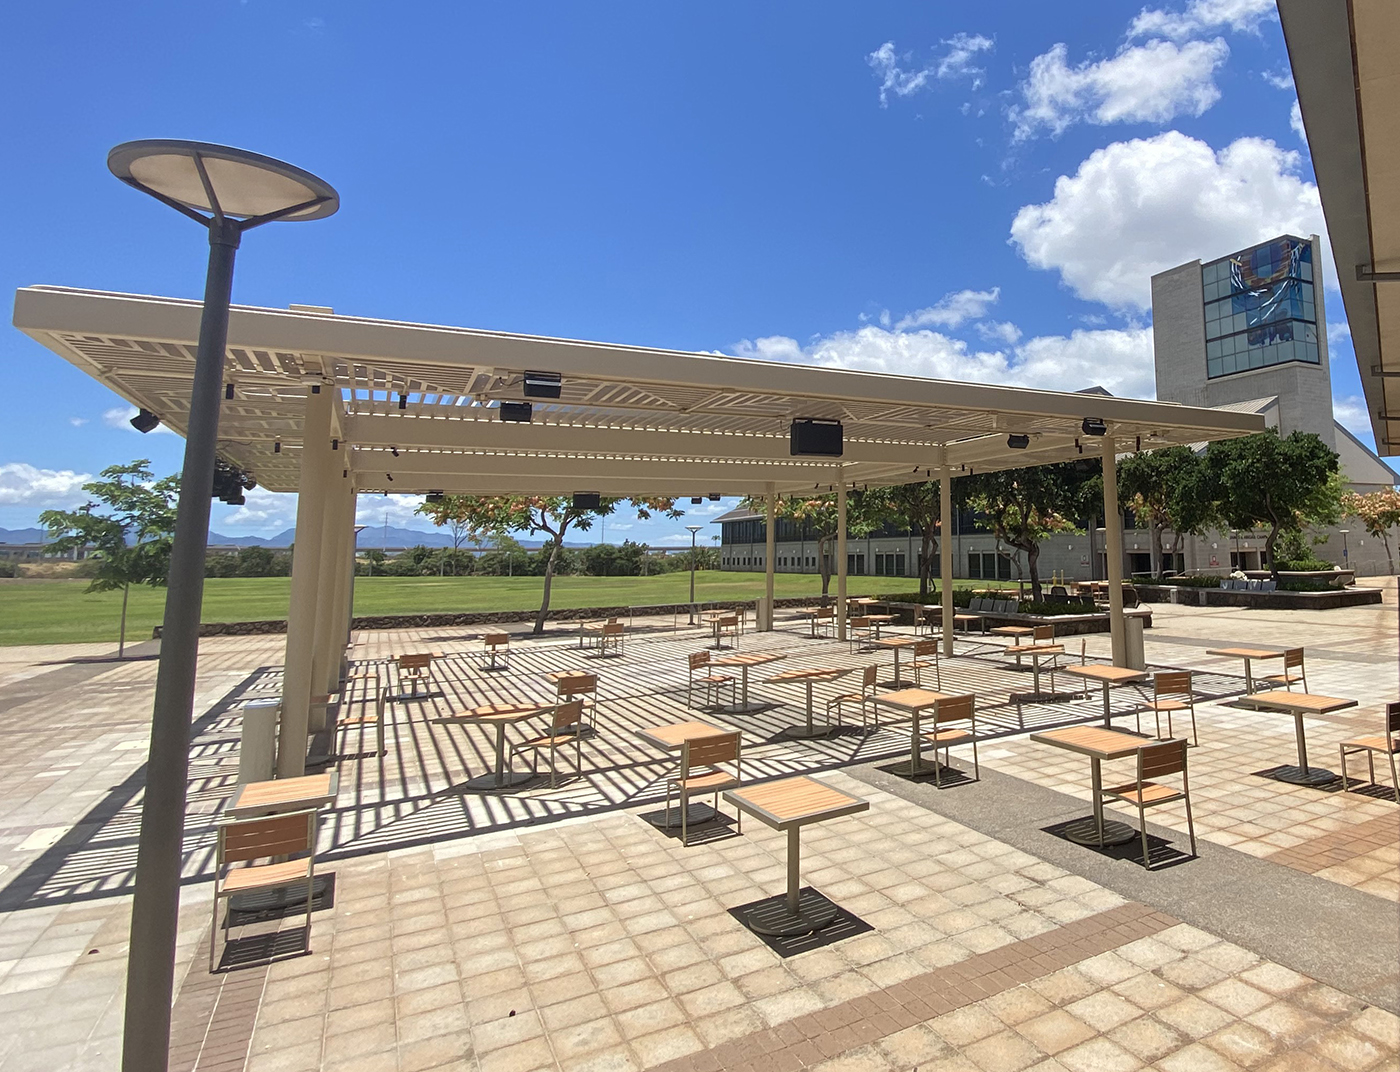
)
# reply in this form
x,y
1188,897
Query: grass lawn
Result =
x,y
61,611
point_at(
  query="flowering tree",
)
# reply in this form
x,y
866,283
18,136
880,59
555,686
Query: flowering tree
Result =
x,y
130,541
1378,513
481,516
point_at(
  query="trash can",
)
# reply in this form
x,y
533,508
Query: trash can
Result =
x,y
763,615
1132,629
257,751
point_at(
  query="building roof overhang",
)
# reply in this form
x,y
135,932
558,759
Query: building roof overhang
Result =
x,y
1343,59
416,405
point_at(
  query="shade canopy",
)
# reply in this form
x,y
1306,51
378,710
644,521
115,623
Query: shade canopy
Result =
x,y
416,406
246,185
1348,82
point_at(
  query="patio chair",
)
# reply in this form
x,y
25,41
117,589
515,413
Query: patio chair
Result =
x,y
1388,745
585,687
614,635
923,649
727,624
364,718
564,729
869,677
243,841
712,683
1154,761
418,667
1130,597
1168,689
493,643
824,621
859,630
1044,634
700,772
953,709
1292,660
1058,590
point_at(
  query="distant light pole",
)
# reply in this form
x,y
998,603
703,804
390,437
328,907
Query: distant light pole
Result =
x,y
1345,562
693,530
240,190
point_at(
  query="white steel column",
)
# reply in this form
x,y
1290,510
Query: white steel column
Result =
x,y
323,672
770,547
1113,548
841,560
339,585
347,610
312,490
945,556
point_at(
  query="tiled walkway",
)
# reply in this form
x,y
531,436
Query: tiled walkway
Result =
x,y
556,929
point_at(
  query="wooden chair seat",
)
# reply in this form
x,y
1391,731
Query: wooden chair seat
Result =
x,y
1171,705
1152,793
708,782
714,679
948,736
1375,744
848,697
262,876
1284,679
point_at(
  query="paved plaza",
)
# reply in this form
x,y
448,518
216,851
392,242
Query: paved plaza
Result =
x,y
557,927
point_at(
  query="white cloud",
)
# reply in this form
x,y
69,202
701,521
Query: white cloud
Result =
x,y
955,63
1137,207
1295,120
120,417
1338,331
1119,360
77,422
1150,83
25,485
1278,79
1202,16
1351,412
951,310
1002,331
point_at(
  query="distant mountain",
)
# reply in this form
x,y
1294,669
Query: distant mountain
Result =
x,y
21,535
372,537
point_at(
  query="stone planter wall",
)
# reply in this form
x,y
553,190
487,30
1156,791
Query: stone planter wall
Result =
x,y
1221,597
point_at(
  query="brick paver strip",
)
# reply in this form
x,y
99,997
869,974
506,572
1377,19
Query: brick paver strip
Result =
x,y
211,1022
1339,846
820,1036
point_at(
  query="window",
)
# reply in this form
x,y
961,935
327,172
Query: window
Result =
x,y
889,565
1259,308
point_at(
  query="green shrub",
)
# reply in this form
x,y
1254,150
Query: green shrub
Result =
x,y
7,569
962,597
1195,582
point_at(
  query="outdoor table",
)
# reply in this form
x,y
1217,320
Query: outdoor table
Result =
x,y
715,619
791,804
1248,655
284,794
499,715
810,677
965,619
1299,704
587,630
671,738
911,702
743,661
877,620
1015,632
1099,745
897,644
1035,651
1108,676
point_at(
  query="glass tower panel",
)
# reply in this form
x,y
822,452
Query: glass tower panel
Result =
x,y
1259,308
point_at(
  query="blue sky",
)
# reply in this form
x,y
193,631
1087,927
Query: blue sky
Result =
x,y
968,191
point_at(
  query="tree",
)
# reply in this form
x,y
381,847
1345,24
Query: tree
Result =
x,y
442,513
130,542
864,513
483,516
1024,506
1167,489
1274,482
917,506
1378,512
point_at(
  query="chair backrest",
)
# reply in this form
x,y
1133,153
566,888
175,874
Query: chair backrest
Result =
x,y
275,835
1155,760
860,623
699,659
496,640
954,709
567,714
710,751
1058,590
729,621
870,677
1392,718
1268,586
826,612
613,628
418,661
1292,657
925,647
1043,633
577,683
1171,681
613,621
1130,596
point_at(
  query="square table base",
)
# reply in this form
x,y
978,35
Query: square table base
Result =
x,y
775,917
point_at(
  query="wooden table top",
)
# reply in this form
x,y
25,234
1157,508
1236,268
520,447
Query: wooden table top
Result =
x,y
669,738
285,794
880,617
814,612
749,658
1245,653
864,601
1306,703
812,673
794,802
1114,675
1037,649
909,699
498,712
1013,630
1093,741
564,675
897,641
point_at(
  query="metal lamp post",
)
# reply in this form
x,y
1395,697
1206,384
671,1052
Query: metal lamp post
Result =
x,y
1345,562
693,530
239,190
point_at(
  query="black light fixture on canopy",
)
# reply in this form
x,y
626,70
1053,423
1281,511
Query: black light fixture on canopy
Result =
x,y
543,385
517,412
587,500
1018,442
1094,426
227,191
145,421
